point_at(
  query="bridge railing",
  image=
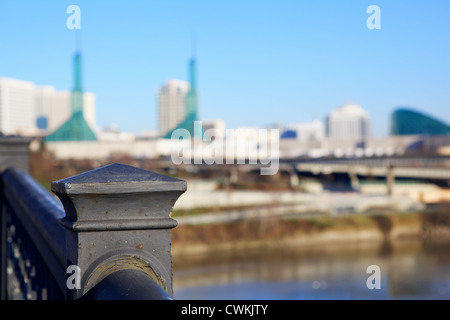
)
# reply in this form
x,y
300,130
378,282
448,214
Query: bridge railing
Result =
x,y
107,237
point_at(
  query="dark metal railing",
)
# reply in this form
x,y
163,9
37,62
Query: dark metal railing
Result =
x,y
107,237
35,238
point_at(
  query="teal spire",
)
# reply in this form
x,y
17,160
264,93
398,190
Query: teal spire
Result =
x,y
192,74
191,105
77,72
77,92
76,128
191,96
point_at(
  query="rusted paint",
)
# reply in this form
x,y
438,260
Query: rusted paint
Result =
x,y
117,263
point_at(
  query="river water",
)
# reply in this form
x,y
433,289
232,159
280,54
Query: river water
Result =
x,y
409,269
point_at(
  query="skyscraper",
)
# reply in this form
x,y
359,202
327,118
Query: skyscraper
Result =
x,y
171,104
17,106
190,104
76,128
191,97
29,109
348,122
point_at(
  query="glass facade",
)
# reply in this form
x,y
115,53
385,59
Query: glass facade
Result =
x,y
409,122
74,129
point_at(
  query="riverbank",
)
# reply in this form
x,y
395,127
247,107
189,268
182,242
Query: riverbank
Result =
x,y
277,232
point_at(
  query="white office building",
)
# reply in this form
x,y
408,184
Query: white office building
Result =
x,y
308,131
17,106
22,103
348,122
59,109
171,104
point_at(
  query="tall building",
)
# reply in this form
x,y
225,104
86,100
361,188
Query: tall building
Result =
x,y
190,105
348,122
55,107
28,109
171,104
75,128
17,107
191,97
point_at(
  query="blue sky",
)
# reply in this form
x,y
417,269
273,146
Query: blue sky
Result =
x,y
258,62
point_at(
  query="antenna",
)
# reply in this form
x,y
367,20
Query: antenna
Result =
x,y
78,41
193,44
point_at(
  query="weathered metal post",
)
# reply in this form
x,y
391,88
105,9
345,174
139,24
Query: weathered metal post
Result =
x,y
118,218
14,151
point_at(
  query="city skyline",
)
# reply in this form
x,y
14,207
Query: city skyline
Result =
x,y
258,62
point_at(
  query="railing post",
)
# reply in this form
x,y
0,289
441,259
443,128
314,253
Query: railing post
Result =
x,y
14,151
3,249
118,217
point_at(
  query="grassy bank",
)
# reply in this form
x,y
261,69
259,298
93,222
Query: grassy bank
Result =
x,y
323,230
